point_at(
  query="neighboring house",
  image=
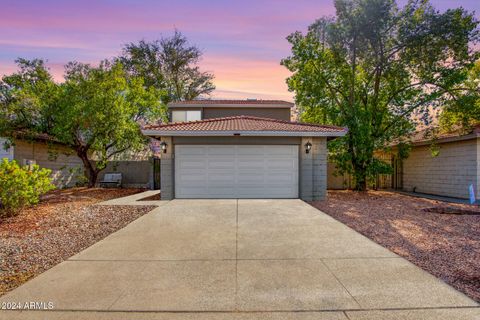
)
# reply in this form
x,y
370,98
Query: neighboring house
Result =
x,y
447,169
67,167
451,171
241,149
44,151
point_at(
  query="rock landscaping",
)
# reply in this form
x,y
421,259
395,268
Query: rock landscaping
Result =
x,y
444,241
63,224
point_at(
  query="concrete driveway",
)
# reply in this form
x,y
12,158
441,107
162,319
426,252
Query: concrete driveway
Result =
x,y
239,259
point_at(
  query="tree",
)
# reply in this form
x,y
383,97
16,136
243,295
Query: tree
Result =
x,y
169,64
466,112
377,69
26,98
96,111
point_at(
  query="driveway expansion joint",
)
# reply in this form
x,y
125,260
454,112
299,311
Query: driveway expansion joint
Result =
x,y
234,311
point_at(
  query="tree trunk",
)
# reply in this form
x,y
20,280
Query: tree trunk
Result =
x,y
360,174
90,170
361,182
92,178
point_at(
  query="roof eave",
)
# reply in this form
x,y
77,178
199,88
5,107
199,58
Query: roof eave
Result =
x,y
441,140
231,105
159,133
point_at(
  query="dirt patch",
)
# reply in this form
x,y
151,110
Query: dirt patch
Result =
x,y
446,245
450,210
63,224
155,197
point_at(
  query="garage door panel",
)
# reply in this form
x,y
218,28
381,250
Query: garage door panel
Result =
x,y
250,150
250,165
238,171
221,166
221,151
281,164
247,179
191,151
191,164
218,179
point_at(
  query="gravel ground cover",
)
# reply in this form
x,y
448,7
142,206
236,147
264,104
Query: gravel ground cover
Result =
x,y
63,224
446,245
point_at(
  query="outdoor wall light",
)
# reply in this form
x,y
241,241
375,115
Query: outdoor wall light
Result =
x,y
308,146
163,145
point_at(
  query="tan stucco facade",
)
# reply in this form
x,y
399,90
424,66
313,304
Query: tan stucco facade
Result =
x,y
216,112
272,113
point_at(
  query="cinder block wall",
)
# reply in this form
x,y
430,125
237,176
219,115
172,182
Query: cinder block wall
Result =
x,y
135,174
166,170
448,174
65,165
313,169
478,169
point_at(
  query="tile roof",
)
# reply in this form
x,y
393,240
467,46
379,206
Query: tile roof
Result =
x,y
244,124
232,102
34,136
429,135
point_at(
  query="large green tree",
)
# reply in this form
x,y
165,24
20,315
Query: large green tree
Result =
x,y
378,69
170,64
96,111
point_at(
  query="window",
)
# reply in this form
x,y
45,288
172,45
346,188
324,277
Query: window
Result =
x,y
189,115
194,115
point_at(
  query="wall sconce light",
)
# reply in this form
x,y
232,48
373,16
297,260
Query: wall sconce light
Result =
x,y
308,146
163,146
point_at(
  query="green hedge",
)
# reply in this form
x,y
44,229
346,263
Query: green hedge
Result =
x,y
21,186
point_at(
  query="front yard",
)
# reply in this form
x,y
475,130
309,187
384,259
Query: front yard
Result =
x,y
446,245
64,223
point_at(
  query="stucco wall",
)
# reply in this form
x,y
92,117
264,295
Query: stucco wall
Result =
x,y
209,112
448,174
65,165
272,113
166,170
313,169
135,174
336,181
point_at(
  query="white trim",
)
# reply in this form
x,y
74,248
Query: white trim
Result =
x,y
168,133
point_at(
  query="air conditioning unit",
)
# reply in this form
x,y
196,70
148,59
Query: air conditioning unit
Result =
x,y
28,162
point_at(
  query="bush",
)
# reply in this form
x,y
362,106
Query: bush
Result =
x,y
21,186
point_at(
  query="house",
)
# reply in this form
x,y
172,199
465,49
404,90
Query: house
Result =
x,y
44,151
444,166
447,171
241,149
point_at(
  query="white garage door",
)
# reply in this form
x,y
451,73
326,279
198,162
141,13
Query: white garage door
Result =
x,y
236,171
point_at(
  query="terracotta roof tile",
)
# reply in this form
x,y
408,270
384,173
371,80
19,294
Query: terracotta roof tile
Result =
x,y
246,123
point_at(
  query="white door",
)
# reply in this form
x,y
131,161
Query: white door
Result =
x,y
236,171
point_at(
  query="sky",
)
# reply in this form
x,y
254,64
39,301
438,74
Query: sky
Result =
x,y
243,41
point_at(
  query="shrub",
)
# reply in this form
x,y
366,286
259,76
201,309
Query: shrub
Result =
x,y
21,186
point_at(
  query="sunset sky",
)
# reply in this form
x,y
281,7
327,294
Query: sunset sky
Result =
x,y
243,41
